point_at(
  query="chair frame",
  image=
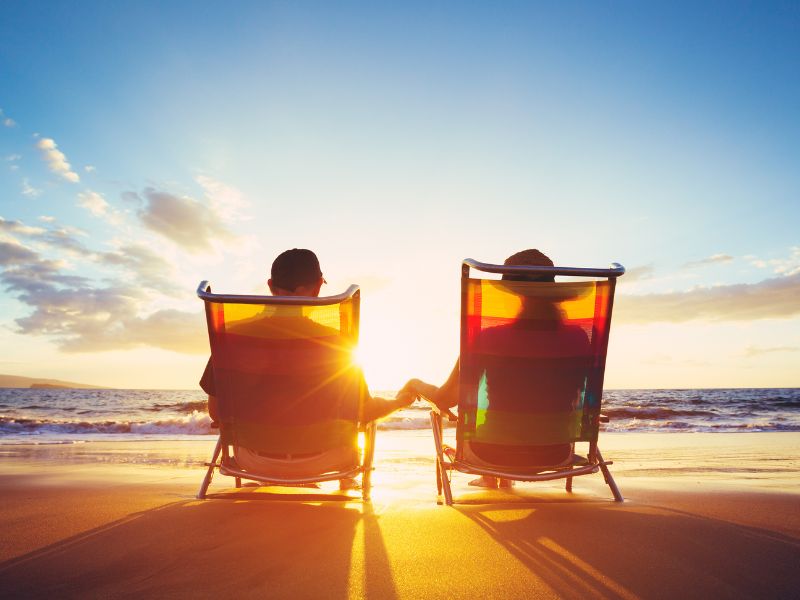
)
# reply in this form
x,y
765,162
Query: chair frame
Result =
x,y
221,459
445,465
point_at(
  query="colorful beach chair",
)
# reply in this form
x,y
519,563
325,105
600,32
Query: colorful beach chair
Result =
x,y
290,398
532,361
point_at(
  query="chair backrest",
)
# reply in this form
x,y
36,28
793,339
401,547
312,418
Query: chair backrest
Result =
x,y
533,357
283,370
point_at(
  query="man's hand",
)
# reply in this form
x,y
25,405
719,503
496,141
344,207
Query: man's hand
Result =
x,y
407,395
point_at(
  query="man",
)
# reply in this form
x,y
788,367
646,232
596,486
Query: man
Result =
x,y
297,272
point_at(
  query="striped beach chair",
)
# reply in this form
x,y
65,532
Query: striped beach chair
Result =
x,y
532,361
290,397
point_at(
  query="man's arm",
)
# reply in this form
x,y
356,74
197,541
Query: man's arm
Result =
x,y
377,408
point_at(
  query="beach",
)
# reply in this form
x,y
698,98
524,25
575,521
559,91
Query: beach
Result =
x,y
706,515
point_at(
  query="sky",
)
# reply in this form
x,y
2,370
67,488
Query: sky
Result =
x,y
147,146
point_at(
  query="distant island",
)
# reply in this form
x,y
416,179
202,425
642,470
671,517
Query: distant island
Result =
x,y
16,381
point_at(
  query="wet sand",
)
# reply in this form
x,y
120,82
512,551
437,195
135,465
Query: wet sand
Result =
x,y
706,515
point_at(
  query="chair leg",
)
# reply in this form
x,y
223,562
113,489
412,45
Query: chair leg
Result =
x,y
201,494
569,485
448,494
609,479
443,480
238,482
369,453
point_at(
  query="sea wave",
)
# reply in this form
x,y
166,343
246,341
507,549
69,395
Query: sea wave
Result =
x,y
655,413
42,415
180,407
196,423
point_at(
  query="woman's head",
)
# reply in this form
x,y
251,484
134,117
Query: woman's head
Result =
x,y
529,258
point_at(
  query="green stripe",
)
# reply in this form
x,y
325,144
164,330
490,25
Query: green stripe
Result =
x,y
510,428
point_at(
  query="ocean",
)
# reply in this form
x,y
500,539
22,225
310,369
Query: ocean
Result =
x,y
41,415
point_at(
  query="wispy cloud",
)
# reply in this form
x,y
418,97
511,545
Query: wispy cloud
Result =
x,y
714,259
56,160
786,266
637,273
227,201
146,267
771,298
756,351
6,120
191,224
13,159
93,202
90,168
18,228
28,190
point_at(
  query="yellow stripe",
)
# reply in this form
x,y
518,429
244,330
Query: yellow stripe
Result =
x,y
503,299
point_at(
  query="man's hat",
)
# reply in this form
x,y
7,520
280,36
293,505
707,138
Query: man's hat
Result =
x,y
294,268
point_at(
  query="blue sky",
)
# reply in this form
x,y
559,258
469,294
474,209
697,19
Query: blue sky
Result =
x,y
202,140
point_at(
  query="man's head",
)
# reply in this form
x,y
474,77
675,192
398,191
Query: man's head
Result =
x,y
296,272
531,258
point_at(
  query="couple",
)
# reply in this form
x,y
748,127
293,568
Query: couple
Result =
x,y
297,272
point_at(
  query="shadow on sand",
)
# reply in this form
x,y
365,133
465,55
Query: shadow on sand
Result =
x,y
597,548
250,544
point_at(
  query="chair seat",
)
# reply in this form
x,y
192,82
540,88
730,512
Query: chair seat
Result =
x,y
296,466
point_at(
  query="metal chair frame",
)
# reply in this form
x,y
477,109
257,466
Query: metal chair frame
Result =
x,y
221,459
445,465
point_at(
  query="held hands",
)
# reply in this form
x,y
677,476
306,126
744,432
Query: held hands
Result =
x,y
408,394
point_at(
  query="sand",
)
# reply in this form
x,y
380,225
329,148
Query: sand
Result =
x,y
706,515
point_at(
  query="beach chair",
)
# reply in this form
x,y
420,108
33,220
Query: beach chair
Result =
x,y
290,397
531,372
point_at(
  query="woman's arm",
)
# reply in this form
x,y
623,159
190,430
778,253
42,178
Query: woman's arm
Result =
x,y
445,396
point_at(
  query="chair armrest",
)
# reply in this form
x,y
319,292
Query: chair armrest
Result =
x,y
446,412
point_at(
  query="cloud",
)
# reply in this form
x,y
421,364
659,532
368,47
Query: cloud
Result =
x,y
90,168
637,274
93,202
47,219
7,121
132,198
226,201
141,264
782,266
773,298
714,259
189,223
28,190
65,239
756,351
187,331
62,238
147,268
19,228
13,157
12,254
80,317
56,160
